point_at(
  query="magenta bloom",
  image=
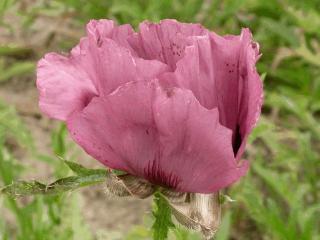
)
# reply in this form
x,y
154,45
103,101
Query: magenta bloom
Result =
x,y
173,103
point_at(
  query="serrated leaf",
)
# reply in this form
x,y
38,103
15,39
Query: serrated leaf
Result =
x,y
81,170
162,214
24,188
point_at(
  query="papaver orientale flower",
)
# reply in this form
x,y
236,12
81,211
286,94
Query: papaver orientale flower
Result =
x,y
172,103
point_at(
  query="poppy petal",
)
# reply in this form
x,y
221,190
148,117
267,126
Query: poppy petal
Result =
x,y
164,41
161,134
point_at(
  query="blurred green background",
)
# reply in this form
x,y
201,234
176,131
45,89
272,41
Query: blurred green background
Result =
x,y
280,197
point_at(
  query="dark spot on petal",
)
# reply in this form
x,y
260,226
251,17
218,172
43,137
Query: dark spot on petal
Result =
x,y
99,41
147,131
237,140
110,147
169,92
254,45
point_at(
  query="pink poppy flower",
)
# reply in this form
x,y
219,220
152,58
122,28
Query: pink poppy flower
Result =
x,y
172,103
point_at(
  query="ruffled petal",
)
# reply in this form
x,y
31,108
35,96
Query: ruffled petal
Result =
x,y
161,134
195,71
63,86
117,66
164,41
68,83
113,129
112,61
96,66
99,30
251,90
214,68
197,149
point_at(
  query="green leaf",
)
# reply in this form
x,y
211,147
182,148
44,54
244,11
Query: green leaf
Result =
x,y
162,214
24,188
82,171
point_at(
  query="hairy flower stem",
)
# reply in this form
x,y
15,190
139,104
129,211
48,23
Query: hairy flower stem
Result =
x,y
206,209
